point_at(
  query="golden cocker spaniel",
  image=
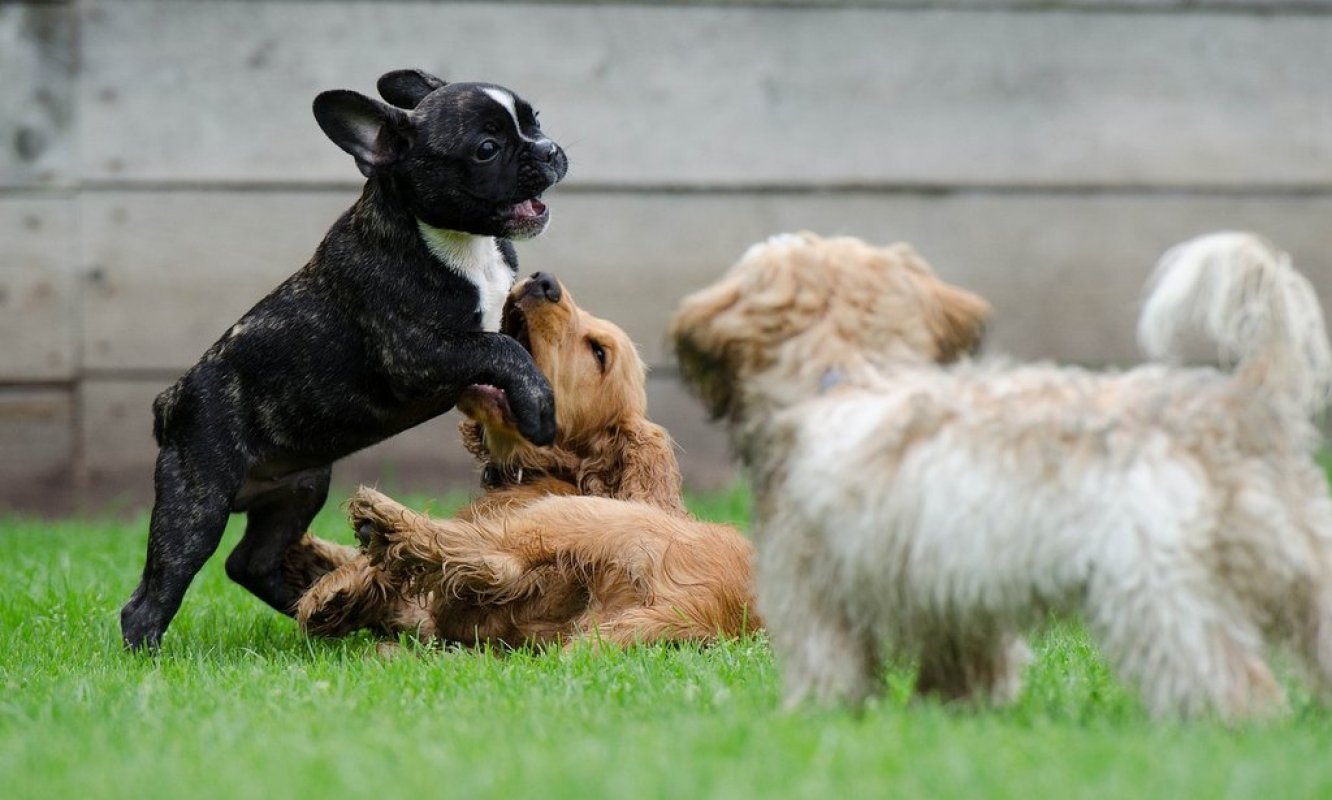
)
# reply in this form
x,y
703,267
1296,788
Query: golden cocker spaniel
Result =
x,y
586,539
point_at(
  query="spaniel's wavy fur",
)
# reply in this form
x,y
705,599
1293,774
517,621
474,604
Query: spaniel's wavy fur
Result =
x,y
909,505
586,538
562,569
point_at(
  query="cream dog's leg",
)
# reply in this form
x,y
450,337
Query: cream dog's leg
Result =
x,y
824,658
1189,652
1311,635
1312,640
979,666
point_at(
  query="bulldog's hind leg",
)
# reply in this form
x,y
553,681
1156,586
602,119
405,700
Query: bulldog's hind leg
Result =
x,y
276,520
189,514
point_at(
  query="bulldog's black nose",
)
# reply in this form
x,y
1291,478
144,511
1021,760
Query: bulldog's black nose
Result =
x,y
545,149
543,284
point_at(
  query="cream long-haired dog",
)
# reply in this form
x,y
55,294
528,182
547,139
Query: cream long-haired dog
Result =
x,y
910,501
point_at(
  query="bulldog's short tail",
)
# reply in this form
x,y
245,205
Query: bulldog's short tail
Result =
x,y
1238,296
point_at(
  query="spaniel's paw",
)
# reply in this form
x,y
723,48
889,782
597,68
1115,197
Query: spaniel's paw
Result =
x,y
379,522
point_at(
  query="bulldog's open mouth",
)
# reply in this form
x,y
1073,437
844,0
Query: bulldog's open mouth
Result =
x,y
525,219
486,404
529,210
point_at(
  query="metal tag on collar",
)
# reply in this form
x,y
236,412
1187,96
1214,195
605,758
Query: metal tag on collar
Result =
x,y
831,377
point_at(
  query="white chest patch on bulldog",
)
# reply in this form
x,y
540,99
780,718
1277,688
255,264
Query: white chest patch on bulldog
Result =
x,y
478,260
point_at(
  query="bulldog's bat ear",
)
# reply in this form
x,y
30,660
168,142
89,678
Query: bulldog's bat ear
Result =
x,y
406,88
374,133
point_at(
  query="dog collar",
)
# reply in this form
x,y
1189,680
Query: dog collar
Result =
x,y
497,477
493,476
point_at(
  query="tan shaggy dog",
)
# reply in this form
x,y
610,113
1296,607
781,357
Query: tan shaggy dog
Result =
x,y
912,502
584,539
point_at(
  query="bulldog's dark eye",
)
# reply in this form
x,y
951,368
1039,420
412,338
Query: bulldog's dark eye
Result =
x,y
487,150
598,352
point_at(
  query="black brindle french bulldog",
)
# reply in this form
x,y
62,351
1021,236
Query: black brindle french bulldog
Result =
x,y
395,315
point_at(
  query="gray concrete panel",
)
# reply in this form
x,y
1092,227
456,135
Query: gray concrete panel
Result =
x,y
172,270
36,436
37,62
37,304
734,95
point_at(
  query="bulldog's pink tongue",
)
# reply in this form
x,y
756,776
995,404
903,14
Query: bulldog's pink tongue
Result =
x,y
529,208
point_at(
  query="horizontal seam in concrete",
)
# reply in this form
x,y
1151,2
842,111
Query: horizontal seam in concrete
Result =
x,y
45,384
665,370
1187,7
903,188
132,374
40,192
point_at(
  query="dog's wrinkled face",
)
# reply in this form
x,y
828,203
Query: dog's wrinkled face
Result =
x,y
598,378
801,304
467,157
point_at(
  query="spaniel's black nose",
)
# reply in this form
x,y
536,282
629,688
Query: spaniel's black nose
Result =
x,y
543,284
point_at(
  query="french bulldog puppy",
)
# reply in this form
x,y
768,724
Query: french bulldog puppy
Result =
x,y
395,315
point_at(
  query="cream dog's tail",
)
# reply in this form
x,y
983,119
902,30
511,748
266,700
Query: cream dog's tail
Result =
x,y
1237,294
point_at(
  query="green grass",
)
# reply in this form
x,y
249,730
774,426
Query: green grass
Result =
x,y
241,705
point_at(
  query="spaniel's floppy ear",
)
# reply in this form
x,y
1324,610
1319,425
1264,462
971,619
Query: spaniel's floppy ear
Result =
x,y
959,325
648,470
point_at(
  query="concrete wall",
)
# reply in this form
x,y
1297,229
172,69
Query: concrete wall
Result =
x,y
160,171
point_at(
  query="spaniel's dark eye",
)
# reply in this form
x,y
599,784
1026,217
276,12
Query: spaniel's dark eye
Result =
x,y
598,352
487,150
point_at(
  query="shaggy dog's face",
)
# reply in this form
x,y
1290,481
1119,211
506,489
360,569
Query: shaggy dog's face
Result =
x,y
598,378
798,302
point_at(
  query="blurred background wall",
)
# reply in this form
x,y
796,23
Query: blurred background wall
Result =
x,y
160,171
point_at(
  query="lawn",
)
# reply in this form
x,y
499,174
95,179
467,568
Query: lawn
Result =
x,y
240,705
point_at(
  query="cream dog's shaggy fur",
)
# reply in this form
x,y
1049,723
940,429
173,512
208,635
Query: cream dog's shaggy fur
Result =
x,y
908,505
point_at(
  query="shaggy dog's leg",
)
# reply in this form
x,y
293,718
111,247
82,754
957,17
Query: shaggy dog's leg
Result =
x,y
826,662
1189,653
982,667
1313,639
1311,633
274,522
824,658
